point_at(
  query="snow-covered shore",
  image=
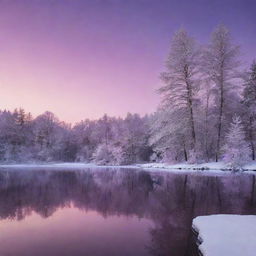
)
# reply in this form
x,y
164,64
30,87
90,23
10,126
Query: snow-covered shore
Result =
x,y
222,235
213,167
67,165
50,165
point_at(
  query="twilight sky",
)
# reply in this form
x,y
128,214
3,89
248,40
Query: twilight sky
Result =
x,y
83,58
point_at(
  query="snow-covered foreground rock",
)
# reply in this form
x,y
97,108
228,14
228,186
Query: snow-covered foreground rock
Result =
x,y
226,235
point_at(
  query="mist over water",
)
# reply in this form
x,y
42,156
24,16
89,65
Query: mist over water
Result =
x,y
112,211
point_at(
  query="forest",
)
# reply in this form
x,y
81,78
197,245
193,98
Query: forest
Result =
x,y
207,113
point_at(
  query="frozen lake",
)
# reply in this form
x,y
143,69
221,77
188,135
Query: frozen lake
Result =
x,y
111,211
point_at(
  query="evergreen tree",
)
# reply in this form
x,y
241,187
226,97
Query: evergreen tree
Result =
x,y
236,150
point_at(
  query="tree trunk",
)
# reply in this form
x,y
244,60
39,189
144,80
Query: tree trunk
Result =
x,y
185,152
206,126
193,133
190,105
251,139
220,116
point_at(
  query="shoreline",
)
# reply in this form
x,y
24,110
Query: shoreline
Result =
x,y
182,167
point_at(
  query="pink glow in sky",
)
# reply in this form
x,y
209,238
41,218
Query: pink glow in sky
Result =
x,y
81,59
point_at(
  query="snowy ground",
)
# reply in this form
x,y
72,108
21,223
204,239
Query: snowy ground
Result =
x,y
223,235
62,165
47,165
206,167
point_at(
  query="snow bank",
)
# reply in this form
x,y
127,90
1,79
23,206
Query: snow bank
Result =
x,y
49,165
219,166
214,168
63,165
223,235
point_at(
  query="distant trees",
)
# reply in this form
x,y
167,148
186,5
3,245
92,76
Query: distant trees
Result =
x,y
15,137
127,141
107,141
49,137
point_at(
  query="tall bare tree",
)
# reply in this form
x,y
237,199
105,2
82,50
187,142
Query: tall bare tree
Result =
x,y
219,64
181,84
249,103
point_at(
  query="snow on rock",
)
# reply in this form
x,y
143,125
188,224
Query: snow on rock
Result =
x,y
223,235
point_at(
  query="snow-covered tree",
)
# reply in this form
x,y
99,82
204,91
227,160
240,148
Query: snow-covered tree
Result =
x,y
249,102
86,138
219,64
181,82
103,155
113,140
236,150
49,137
167,137
134,141
175,126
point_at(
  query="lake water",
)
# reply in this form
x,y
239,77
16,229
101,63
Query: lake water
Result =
x,y
112,212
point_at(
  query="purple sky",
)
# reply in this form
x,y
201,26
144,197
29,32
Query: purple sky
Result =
x,y
81,59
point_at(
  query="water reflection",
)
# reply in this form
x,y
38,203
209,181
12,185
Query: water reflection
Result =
x,y
111,211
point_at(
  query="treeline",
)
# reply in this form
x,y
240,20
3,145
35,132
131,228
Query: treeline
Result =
x,y
207,113
108,140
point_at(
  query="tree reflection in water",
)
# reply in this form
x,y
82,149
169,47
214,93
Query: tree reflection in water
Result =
x,y
169,200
